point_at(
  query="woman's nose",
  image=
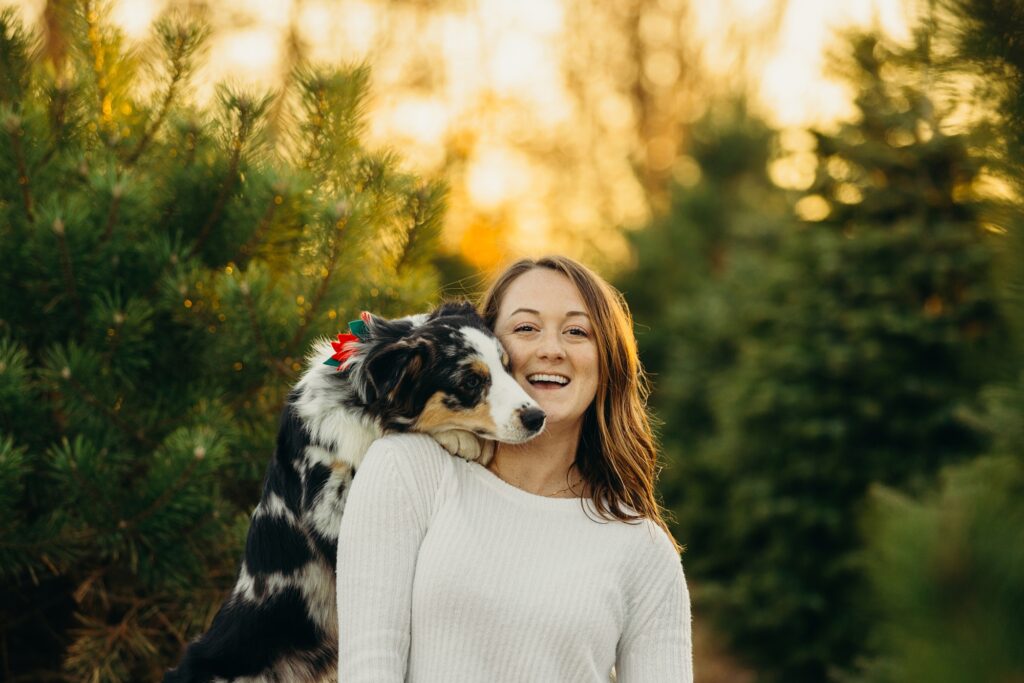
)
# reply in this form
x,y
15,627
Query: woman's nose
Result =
x,y
551,346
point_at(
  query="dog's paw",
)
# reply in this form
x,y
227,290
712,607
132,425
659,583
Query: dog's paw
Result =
x,y
465,444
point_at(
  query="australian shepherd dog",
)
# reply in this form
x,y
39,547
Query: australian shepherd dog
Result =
x,y
444,374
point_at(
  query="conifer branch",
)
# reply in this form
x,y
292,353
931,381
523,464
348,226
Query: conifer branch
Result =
x,y
115,203
136,435
268,357
246,251
14,129
165,495
321,290
66,267
92,16
218,206
225,189
407,250
413,238
170,627
165,105
423,207
115,339
58,110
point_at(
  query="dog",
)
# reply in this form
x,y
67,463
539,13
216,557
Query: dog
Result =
x,y
442,373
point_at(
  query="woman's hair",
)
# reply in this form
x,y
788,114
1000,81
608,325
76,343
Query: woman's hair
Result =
x,y
617,454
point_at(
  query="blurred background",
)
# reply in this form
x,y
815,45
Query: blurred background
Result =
x,y
814,210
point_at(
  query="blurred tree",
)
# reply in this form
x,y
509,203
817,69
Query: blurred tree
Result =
x,y
948,569
724,212
947,572
874,332
850,352
162,272
688,293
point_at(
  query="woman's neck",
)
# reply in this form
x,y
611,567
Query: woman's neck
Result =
x,y
542,465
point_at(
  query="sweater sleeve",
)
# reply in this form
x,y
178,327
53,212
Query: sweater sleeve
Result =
x,y
386,516
656,642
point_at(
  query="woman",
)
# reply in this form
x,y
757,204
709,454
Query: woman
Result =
x,y
551,564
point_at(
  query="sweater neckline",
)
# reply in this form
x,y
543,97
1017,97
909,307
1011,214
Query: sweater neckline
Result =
x,y
525,497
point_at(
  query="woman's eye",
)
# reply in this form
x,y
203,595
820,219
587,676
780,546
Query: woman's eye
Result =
x,y
577,331
525,327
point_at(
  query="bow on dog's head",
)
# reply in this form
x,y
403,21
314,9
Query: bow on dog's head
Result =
x,y
441,371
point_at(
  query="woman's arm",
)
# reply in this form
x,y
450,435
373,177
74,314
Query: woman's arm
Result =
x,y
386,516
656,644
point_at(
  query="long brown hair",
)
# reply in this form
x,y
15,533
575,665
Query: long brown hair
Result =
x,y
617,453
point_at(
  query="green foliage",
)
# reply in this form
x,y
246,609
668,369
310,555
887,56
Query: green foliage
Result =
x,y
697,275
684,290
875,332
163,270
947,568
948,571
822,358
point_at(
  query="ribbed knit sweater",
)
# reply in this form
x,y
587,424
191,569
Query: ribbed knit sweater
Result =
x,y
448,573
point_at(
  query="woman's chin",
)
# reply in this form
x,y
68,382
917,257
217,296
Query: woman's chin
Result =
x,y
557,420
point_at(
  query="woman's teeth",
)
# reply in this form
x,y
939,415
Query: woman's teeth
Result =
x,y
553,379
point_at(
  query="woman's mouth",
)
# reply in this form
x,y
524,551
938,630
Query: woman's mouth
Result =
x,y
549,381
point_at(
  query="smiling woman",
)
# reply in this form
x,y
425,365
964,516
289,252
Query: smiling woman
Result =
x,y
551,563
556,316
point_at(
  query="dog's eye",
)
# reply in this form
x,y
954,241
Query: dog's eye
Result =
x,y
473,382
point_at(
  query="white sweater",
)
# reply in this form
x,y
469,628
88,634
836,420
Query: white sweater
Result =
x,y
447,573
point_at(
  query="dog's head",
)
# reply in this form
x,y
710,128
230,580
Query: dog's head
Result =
x,y
441,371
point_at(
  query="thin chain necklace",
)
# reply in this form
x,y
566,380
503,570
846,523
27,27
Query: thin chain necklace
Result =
x,y
494,468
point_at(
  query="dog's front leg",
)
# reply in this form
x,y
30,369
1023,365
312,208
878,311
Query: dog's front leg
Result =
x,y
465,445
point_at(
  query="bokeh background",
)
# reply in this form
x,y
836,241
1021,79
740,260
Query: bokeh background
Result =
x,y
813,209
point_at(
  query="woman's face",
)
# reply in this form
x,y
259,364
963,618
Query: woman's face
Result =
x,y
543,323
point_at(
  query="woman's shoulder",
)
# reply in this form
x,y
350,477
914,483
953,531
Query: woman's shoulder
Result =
x,y
416,458
409,444
652,548
641,535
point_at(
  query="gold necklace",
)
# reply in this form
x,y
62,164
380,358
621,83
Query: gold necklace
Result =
x,y
494,466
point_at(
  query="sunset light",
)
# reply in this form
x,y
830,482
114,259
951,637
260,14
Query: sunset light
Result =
x,y
478,92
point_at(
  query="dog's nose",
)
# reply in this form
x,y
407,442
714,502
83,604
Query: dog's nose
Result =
x,y
532,418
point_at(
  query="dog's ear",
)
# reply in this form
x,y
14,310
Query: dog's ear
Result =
x,y
382,329
451,308
389,367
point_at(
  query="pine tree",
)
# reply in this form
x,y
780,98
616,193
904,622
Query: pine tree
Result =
x,y
688,293
860,353
163,270
727,210
947,568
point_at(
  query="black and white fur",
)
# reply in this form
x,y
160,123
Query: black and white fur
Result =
x,y
442,373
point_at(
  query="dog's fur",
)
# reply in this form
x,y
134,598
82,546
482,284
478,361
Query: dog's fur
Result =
x,y
444,374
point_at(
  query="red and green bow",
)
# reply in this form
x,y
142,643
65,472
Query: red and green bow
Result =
x,y
345,346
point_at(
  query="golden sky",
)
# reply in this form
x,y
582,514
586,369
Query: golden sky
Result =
x,y
484,77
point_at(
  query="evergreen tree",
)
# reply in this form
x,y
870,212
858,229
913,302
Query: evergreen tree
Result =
x,y
860,350
948,568
163,270
689,291
726,215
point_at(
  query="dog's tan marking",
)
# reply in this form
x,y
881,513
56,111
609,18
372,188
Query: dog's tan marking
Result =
x,y
436,415
340,466
480,367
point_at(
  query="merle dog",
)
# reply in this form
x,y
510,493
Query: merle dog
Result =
x,y
442,373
